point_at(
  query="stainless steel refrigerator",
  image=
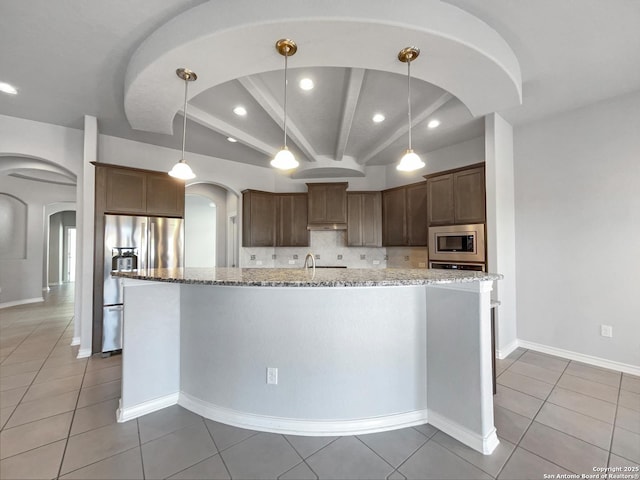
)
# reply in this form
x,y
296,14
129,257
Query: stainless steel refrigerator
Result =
x,y
132,243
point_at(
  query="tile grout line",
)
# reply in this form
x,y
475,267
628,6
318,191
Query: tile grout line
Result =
x,y
304,460
533,419
140,447
73,416
4,427
411,455
219,452
615,417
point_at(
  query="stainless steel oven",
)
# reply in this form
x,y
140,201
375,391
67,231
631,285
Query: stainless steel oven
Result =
x,y
457,243
478,267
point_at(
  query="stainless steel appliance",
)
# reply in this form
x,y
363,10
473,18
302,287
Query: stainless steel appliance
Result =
x,y
131,243
457,243
478,267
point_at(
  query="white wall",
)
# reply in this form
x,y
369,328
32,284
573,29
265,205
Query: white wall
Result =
x,y
199,231
455,156
577,201
21,279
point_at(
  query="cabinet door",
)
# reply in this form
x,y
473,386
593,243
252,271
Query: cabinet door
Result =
x,y
440,200
292,221
394,225
354,220
317,204
336,201
126,191
165,196
417,214
259,219
327,203
371,219
469,191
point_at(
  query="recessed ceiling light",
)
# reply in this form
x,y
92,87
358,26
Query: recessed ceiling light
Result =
x,y
433,123
6,88
240,110
306,84
231,139
378,117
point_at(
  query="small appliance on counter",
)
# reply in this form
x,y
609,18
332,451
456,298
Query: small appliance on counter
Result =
x,y
124,259
130,243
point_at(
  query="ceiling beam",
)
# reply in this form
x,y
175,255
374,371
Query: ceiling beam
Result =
x,y
417,119
216,124
259,91
354,87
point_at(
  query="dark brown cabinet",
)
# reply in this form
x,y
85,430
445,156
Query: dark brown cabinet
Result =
x,y
327,203
404,215
258,219
394,226
127,191
140,192
291,218
364,219
457,197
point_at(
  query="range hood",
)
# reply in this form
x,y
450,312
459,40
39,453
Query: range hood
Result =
x,y
326,226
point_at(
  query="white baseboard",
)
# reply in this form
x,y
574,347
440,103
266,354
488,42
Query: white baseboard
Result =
x,y
503,353
84,353
75,341
581,357
294,426
21,302
125,414
485,445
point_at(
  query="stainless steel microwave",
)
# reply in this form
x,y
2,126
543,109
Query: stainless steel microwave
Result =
x,y
457,243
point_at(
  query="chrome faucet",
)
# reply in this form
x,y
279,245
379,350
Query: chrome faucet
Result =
x,y
313,261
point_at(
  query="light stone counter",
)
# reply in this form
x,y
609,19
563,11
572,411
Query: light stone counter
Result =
x,y
298,277
361,351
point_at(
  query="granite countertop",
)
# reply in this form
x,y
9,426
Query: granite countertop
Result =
x,y
298,277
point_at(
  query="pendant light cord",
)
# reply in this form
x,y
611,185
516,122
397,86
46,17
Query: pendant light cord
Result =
x,y
184,113
409,97
286,57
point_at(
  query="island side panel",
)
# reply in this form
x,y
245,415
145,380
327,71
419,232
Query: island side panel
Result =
x,y
342,354
459,375
151,348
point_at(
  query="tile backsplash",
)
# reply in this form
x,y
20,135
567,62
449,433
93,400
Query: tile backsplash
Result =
x,y
330,249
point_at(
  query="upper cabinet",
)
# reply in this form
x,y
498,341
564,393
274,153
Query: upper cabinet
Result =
x,y
457,197
291,220
327,205
258,219
138,192
274,219
364,227
404,215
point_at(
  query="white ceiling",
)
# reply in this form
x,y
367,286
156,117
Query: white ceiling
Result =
x,y
69,58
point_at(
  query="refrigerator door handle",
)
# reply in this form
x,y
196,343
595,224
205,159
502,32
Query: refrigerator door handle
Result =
x,y
144,255
153,253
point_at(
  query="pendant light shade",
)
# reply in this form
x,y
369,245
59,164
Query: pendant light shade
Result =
x,y
284,159
181,170
410,161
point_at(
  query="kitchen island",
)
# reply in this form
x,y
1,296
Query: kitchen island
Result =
x,y
330,352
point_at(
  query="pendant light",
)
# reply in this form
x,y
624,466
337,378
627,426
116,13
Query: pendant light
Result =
x,y
181,170
410,161
284,159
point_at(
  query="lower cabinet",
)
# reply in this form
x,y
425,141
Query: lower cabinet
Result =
x,y
364,215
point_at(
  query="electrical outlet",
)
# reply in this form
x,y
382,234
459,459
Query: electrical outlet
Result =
x,y
272,376
253,257
258,262
292,262
376,262
422,265
363,257
606,331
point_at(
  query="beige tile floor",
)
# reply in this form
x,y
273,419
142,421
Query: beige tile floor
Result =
x,y
57,416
